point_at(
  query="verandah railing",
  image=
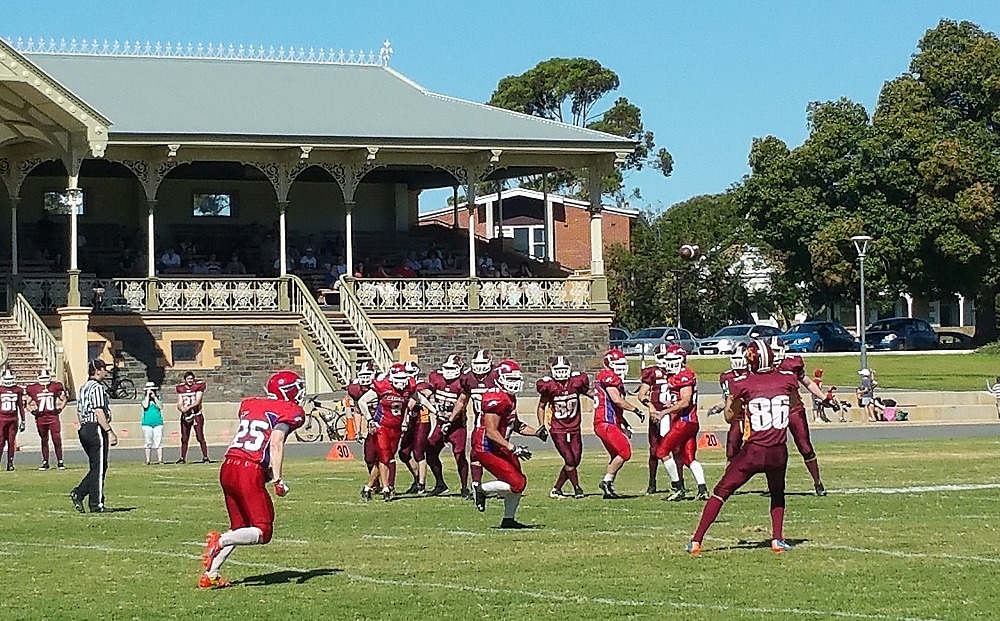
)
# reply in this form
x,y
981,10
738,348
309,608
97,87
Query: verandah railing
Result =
x,y
465,294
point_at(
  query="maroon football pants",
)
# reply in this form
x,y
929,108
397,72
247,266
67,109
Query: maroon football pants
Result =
x,y
198,424
8,436
753,459
569,445
435,445
48,426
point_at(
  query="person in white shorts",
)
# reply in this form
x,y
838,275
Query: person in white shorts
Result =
x,y
152,422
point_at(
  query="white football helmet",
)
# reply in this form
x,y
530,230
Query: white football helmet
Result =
x,y
398,376
778,347
452,367
561,368
366,374
412,368
8,379
44,377
738,360
509,376
482,363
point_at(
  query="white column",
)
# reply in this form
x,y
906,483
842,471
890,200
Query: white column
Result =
x,y
73,188
349,237
909,305
470,197
596,224
961,310
150,241
454,207
490,224
283,247
13,234
550,237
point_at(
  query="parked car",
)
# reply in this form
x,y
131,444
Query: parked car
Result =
x,y
954,340
813,336
645,341
900,333
732,338
617,336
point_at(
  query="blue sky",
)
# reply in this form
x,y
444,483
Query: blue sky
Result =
x,y
709,76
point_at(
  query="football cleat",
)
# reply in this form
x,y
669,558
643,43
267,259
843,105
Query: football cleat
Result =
x,y
512,523
208,582
77,501
387,495
820,489
212,549
555,493
694,548
181,461
421,489
578,492
467,494
44,466
677,495
10,467
651,489
412,489
207,460
62,466
438,489
480,497
702,492
608,488
366,494
779,546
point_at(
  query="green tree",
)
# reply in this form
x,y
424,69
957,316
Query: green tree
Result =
x,y
568,90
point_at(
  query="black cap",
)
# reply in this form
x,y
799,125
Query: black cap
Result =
x,y
94,365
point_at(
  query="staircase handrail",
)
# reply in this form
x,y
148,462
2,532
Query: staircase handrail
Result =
x,y
302,303
38,333
363,326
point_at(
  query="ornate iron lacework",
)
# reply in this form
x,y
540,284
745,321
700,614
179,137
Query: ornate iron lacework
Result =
x,y
94,47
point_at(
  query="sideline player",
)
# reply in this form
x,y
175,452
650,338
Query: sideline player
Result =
x,y
445,388
413,444
254,458
46,399
609,417
189,395
798,420
655,394
475,382
11,414
491,444
680,418
734,437
765,395
562,391
358,387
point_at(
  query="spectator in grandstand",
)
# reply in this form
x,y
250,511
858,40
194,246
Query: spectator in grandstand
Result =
x,y
332,277
290,263
412,262
404,270
308,260
378,270
198,266
359,270
504,271
340,265
170,261
432,262
187,249
235,266
524,271
450,263
212,266
152,422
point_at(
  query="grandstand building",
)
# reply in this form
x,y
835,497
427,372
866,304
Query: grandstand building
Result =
x,y
115,158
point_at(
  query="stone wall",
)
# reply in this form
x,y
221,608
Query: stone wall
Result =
x,y
529,342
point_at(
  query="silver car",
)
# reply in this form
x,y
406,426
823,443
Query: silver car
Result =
x,y
732,338
644,341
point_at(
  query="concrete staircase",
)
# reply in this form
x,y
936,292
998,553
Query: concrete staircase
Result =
x,y
347,335
22,356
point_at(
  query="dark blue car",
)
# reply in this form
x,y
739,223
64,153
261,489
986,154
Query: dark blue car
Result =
x,y
901,333
815,336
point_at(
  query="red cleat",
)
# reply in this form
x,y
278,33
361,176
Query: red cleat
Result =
x,y
212,549
208,582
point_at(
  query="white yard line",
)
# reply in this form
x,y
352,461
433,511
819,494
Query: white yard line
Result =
x,y
919,489
539,595
903,554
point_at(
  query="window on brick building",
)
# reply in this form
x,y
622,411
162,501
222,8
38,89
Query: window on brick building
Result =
x,y
186,351
529,240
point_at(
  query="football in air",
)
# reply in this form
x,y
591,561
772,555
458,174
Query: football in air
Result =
x,y
689,252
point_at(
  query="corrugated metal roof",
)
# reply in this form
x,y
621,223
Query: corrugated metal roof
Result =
x,y
185,96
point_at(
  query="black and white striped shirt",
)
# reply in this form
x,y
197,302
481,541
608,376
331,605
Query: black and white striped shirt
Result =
x,y
92,395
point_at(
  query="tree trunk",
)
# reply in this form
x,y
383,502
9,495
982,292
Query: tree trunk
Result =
x,y
986,316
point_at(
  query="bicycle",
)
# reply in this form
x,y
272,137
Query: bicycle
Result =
x,y
329,420
119,387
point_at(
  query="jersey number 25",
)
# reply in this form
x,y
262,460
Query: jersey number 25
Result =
x,y
251,435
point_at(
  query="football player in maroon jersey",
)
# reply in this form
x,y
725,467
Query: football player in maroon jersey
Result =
x,y
609,416
798,421
254,458
734,437
475,382
413,444
46,400
654,393
764,395
561,391
11,414
679,424
190,392
491,444
359,386
445,387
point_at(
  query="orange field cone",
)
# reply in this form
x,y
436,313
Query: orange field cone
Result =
x,y
708,441
351,432
340,451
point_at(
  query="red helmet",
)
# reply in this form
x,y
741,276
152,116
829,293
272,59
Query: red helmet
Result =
x,y
452,367
398,376
760,358
509,376
286,386
366,373
616,361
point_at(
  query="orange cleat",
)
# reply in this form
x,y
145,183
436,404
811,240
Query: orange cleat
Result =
x,y
694,548
212,549
208,582
779,546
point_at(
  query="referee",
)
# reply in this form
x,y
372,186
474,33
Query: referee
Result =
x,y
96,436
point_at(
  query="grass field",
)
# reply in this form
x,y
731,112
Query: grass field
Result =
x,y
862,553
902,372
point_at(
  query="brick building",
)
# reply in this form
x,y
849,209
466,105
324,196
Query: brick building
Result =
x,y
530,219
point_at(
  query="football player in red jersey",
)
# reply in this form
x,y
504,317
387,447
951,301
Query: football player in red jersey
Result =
x,y
679,424
396,395
445,387
11,414
189,395
491,444
798,420
561,391
475,382
358,387
655,395
764,395
413,444
254,458
609,420
46,399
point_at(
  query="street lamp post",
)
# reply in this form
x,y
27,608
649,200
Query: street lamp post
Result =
x,y
861,245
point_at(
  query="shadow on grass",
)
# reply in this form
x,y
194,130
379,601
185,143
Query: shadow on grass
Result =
x,y
118,509
765,493
758,545
287,577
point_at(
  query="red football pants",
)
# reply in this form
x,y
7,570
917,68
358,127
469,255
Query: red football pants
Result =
x,y
387,443
614,440
247,500
683,439
504,466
